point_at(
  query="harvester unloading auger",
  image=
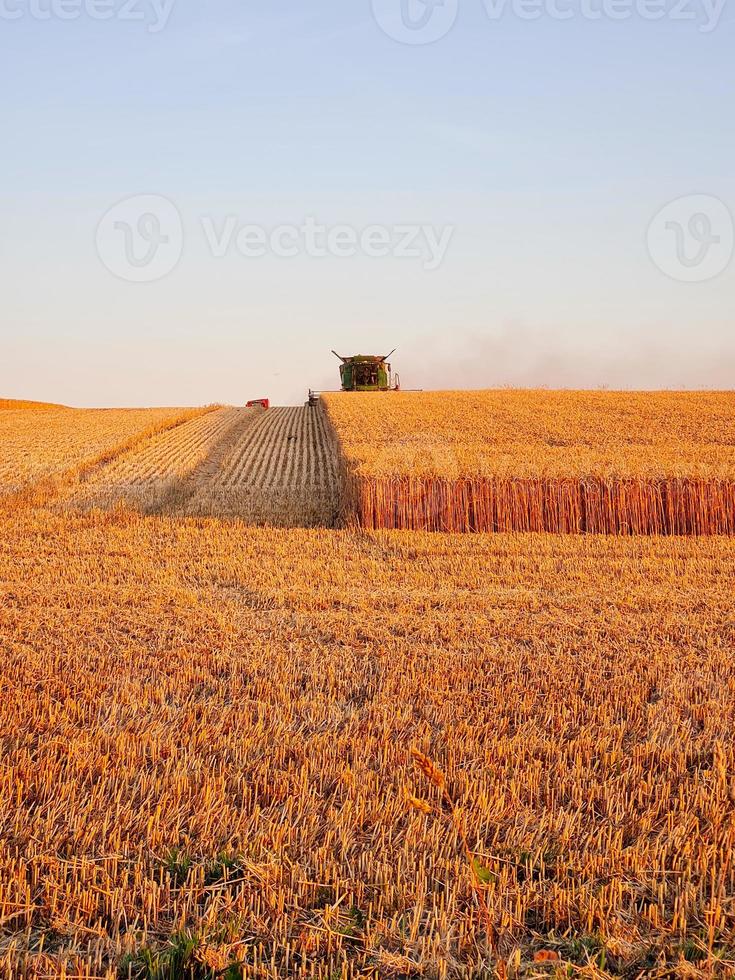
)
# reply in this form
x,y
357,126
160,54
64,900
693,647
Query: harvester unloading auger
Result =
x,y
364,372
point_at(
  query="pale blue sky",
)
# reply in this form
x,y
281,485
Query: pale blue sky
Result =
x,y
548,146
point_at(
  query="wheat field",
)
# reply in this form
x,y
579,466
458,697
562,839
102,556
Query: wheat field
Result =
x,y
35,445
163,470
558,461
207,757
20,403
283,470
275,467
232,751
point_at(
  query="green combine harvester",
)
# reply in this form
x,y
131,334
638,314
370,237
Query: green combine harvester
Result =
x,y
363,372
367,372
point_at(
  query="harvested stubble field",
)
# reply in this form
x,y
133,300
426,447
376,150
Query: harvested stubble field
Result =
x,y
283,470
558,461
164,470
276,467
38,444
206,732
206,737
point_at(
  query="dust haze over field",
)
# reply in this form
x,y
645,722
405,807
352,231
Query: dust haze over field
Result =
x,y
521,356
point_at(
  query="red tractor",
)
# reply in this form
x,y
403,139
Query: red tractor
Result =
x,y
259,403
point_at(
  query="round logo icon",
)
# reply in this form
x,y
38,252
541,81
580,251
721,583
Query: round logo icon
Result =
x,y
415,21
692,239
141,239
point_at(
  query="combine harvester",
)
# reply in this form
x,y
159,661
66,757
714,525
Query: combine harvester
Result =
x,y
363,372
367,372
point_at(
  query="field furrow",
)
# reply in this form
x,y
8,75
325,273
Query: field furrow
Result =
x,y
271,466
271,439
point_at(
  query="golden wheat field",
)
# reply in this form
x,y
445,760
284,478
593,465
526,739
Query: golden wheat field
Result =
x,y
163,470
283,470
206,735
276,467
16,403
271,752
46,443
561,461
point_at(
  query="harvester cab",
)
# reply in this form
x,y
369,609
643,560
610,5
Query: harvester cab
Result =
x,y
367,372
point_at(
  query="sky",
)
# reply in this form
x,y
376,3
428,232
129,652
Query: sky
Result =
x,y
199,201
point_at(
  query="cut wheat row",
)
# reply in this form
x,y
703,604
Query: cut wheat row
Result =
x,y
286,448
178,454
171,454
